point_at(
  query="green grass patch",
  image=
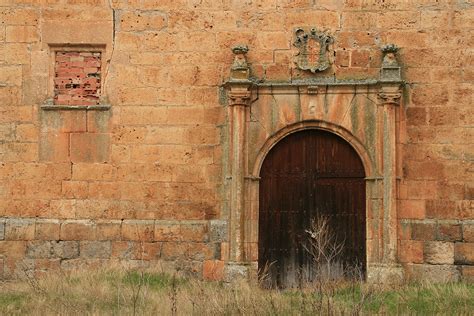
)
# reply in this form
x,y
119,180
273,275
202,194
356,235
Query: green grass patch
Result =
x,y
156,281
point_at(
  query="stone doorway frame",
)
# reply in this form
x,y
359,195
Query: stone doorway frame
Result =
x,y
383,168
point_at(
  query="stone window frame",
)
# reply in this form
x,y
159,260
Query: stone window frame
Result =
x,y
53,49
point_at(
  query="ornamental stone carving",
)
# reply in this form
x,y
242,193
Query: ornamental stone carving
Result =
x,y
239,96
391,70
313,49
240,69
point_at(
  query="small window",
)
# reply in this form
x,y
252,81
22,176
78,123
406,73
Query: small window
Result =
x,y
77,77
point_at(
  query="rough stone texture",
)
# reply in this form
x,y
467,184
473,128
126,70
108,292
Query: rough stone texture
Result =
x,y
434,273
436,252
464,253
95,249
213,270
2,229
468,232
218,231
157,155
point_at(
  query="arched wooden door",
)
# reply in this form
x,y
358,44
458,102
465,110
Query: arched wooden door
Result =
x,y
309,174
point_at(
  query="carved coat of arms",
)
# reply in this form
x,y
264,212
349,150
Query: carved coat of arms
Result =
x,y
313,49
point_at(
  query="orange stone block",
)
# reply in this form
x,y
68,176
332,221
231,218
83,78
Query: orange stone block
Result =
x,y
213,270
410,251
90,147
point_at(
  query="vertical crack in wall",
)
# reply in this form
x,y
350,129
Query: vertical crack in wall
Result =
x,y
114,32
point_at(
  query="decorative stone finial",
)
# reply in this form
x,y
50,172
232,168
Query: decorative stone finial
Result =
x,y
389,54
391,70
240,69
240,49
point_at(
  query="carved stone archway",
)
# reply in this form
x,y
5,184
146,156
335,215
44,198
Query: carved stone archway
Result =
x,y
366,113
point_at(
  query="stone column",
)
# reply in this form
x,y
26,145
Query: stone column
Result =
x,y
390,97
239,96
389,101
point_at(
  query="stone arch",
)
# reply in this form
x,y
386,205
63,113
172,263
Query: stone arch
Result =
x,y
322,125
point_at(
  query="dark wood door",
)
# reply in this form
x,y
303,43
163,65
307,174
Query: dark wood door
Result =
x,y
307,175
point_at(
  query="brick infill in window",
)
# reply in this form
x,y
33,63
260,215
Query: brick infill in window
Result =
x,y
77,76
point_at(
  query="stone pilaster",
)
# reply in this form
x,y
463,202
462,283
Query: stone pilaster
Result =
x,y
389,99
239,99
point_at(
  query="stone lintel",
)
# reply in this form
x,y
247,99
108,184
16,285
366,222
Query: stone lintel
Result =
x,y
99,107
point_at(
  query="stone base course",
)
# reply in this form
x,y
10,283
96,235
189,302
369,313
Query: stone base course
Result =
x,y
51,244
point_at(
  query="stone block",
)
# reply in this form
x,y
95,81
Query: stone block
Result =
x,y
20,229
2,229
441,209
66,31
77,230
46,265
167,231
75,189
195,232
186,251
90,147
148,250
65,249
108,230
95,249
22,34
142,21
54,147
423,231
464,253
218,231
360,58
468,232
98,121
467,273
63,121
385,274
27,133
47,229
449,232
13,249
412,209
410,251
11,75
236,272
39,249
138,230
465,209
93,171
434,273
122,249
437,252
213,270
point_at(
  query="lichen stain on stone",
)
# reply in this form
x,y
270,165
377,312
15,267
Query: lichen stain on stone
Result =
x,y
370,128
102,119
354,113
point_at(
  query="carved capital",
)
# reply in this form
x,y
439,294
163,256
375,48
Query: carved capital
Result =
x,y
239,97
390,95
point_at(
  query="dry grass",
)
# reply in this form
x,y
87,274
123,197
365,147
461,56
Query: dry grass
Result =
x,y
135,292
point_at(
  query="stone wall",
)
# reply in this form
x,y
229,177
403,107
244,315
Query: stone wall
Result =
x,y
139,178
